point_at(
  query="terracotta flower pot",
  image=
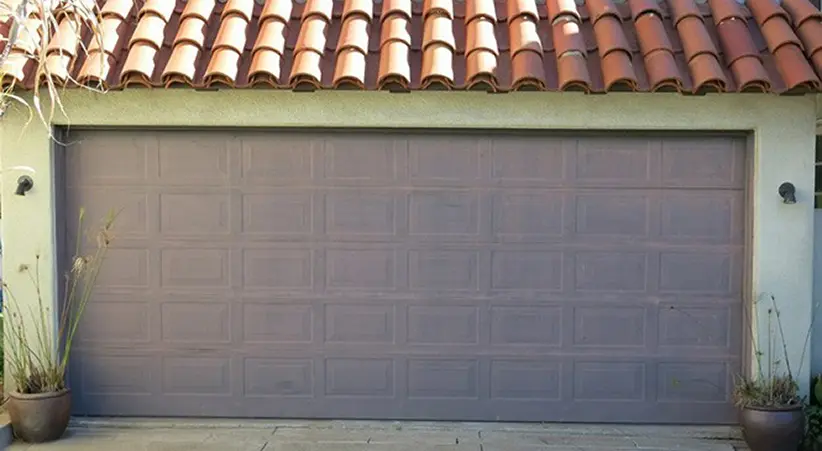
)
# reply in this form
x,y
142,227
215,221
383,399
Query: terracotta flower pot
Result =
x,y
773,429
41,417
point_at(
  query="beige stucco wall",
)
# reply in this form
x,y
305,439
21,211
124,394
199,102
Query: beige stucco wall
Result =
x,y
783,137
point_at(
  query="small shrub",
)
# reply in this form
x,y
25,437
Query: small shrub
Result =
x,y
813,418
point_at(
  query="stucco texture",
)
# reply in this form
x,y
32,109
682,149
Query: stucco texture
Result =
x,y
782,139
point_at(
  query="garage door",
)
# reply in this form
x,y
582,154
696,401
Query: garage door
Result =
x,y
412,275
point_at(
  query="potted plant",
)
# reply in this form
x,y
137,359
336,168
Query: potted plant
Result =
x,y
772,412
39,403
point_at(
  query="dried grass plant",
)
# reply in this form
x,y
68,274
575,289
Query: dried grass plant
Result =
x,y
772,384
31,26
36,357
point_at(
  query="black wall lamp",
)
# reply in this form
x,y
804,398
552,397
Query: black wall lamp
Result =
x,y
24,185
788,193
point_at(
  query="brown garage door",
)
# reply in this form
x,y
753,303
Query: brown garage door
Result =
x,y
413,276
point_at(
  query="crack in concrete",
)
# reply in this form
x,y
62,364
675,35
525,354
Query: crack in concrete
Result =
x,y
264,446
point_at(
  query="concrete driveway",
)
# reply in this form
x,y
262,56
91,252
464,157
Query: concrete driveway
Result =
x,y
173,435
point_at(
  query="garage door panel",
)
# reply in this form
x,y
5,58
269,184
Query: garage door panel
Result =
x,y
108,159
361,158
115,323
277,323
280,268
709,272
438,213
684,163
201,323
699,328
195,214
618,163
532,161
360,323
712,217
263,163
192,160
535,325
194,268
278,377
361,213
445,161
404,276
132,206
281,214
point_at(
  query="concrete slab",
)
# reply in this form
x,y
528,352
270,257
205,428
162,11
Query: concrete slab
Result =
x,y
180,435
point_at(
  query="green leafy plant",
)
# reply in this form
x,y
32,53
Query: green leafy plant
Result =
x,y
773,383
37,359
813,418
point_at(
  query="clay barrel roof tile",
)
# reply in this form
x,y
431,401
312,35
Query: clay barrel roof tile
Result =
x,y
400,45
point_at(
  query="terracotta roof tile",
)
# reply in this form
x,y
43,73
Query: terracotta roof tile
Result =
x,y
399,45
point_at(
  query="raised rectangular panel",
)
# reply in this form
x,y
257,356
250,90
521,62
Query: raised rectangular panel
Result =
x,y
116,375
525,380
442,324
365,323
700,217
278,377
611,214
611,271
277,268
703,162
609,381
537,213
195,322
277,213
196,376
527,159
441,158
130,205
198,160
194,214
360,212
114,322
124,268
106,158
621,162
363,377
443,270
694,326
277,323
360,268
361,157
445,212
194,268
526,270
442,378
695,272
526,325
267,161
609,326
693,382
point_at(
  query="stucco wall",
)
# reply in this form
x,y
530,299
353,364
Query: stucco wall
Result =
x,y
782,141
